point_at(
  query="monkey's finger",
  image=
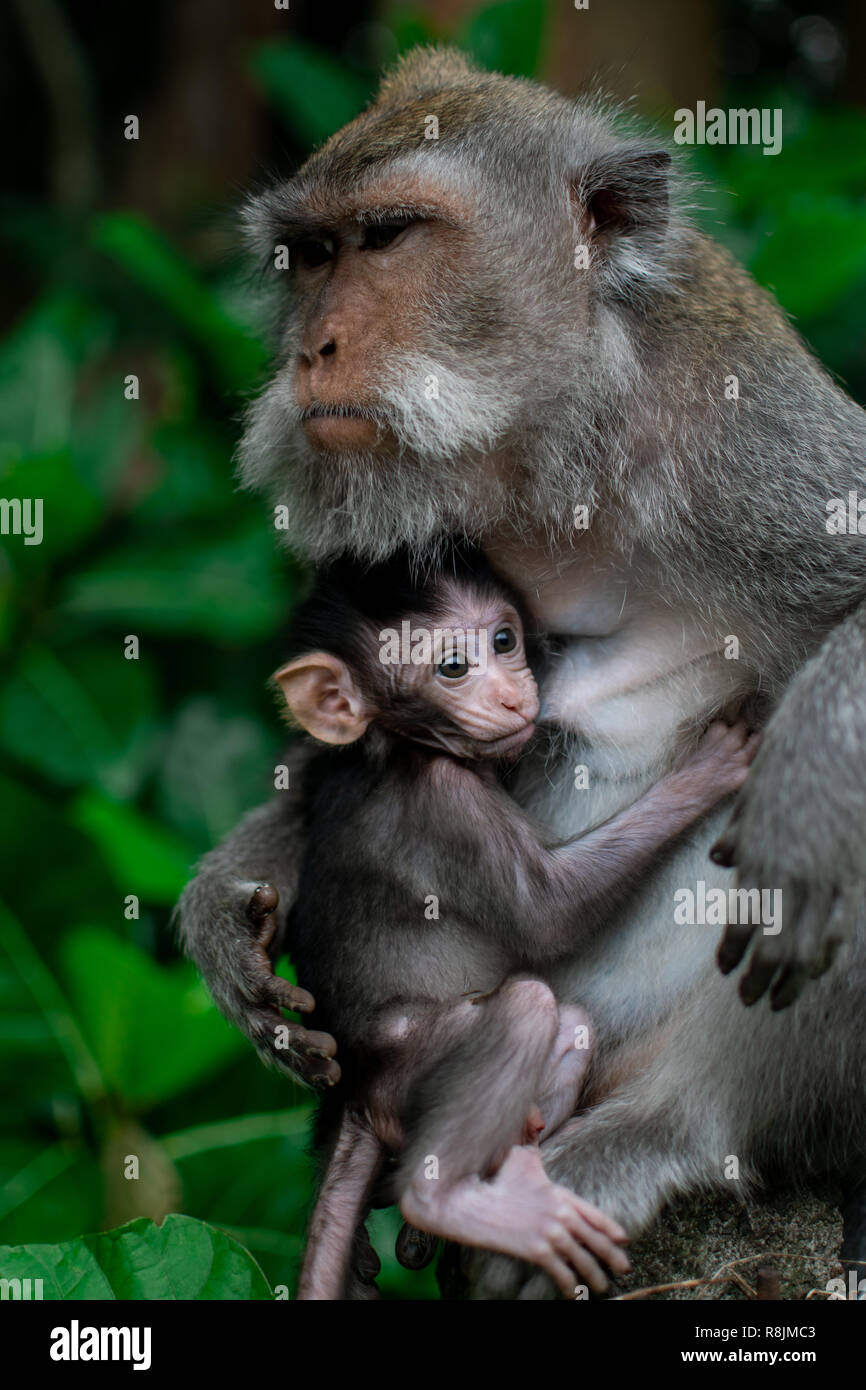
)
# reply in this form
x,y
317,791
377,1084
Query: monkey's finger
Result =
x,y
306,1054
323,1081
757,980
280,1042
847,904
753,743
733,946
600,1220
582,1262
814,906
321,1074
821,964
605,1256
315,1044
788,986
779,948
414,1249
263,903
288,996
599,1245
365,1261
725,848
562,1274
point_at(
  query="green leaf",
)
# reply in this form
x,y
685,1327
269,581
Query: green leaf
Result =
x,y
227,589
81,714
227,1169
70,511
409,27
817,254
143,856
826,155
181,1259
506,37
315,93
29,822
155,265
54,1196
128,1007
37,372
216,764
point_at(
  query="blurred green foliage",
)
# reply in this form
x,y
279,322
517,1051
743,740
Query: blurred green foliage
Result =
x,y
116,774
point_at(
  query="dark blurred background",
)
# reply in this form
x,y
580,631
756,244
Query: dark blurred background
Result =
x,y
122,259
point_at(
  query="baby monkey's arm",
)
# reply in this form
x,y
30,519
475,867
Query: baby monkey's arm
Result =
x,y
539,900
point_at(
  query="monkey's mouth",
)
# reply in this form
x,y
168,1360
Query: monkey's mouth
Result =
x,y
341,427
340,412
510,743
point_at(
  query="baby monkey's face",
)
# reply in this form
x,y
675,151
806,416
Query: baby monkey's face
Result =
x,y
454,679
478,683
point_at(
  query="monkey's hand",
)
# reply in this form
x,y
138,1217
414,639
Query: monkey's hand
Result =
x,y
308,1055
230,920
718,766
799,825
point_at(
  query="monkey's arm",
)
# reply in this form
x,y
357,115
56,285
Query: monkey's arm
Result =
x,y
540,900
231,920
799,824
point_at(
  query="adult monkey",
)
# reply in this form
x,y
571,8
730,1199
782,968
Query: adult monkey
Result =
x,y
446,365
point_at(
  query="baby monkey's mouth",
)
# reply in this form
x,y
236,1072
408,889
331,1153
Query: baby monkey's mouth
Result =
x,y
509,743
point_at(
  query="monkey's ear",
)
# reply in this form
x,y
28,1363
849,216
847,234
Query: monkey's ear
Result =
x,y
621,201
322,697
622,190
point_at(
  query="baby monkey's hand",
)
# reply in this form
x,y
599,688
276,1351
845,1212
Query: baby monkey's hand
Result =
x,y
719,765
308,1055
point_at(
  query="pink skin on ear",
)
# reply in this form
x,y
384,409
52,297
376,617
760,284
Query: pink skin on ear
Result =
x,y
322,698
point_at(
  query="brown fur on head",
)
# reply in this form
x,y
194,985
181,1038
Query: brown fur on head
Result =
x,y
438,660
442,380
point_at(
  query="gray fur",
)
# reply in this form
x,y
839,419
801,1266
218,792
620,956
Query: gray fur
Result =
x,y
608,390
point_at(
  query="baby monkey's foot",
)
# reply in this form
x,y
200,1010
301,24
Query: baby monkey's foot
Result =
x,y
551,1227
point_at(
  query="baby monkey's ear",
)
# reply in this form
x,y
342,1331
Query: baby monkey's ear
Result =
x,y
323,698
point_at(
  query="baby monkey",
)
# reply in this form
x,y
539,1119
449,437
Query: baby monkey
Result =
x,y
429,907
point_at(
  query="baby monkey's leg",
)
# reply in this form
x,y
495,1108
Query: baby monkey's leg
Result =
x,y
341,1204
565,1072
467,1121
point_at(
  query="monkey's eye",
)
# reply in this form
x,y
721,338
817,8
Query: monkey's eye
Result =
x,y
505,640
453,667
313,251
378,235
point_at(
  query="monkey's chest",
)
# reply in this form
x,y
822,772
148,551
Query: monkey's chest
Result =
x,y
362,942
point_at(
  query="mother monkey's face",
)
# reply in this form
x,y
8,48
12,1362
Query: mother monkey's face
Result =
x,y
432,319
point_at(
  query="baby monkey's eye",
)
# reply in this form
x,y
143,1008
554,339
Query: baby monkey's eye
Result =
x,y
378,235
453,667
505,640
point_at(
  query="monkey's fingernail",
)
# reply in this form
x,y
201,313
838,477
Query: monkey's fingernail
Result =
x,y
415,1249
756,982
263,902
301,1002
788,987
731,950
825,959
